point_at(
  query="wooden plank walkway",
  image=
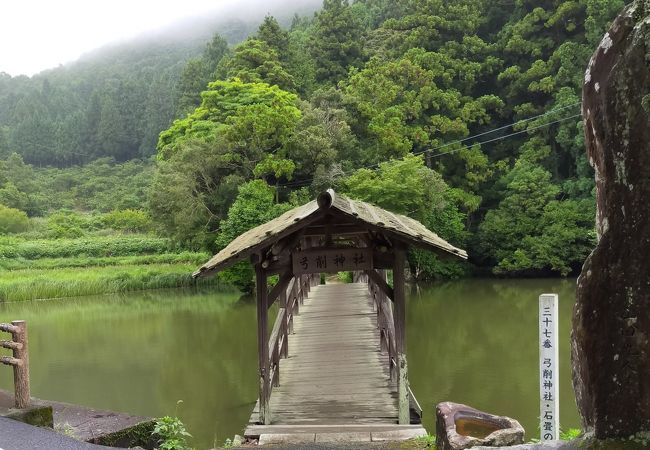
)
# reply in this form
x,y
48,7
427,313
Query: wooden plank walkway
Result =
x,y
335,375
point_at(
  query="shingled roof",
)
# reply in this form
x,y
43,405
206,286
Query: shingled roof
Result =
x,y
397,226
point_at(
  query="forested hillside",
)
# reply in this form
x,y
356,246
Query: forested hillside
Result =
x,y
114,101
462,114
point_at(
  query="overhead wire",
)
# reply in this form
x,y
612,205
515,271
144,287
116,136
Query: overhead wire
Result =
x,y
305,182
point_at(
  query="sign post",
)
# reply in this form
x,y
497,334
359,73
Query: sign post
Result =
x,y
549,368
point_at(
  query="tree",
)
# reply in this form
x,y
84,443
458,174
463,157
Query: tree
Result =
x,y
255,61
276,169
12,220
197,73
275,37
231,106
408,187
4,142
203,158
253,206
335,43
411,104
322,139
191,84
533,232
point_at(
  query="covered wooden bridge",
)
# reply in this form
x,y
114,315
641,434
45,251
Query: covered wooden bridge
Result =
x,y
335,359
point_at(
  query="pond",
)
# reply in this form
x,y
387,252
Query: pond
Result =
x,y
470,341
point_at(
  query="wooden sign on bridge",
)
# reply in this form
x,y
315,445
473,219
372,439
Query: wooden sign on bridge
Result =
x,y
332,260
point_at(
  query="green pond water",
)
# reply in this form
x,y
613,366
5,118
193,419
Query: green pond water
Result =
x,y
470,341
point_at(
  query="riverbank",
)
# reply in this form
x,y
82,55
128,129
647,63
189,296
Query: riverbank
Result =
x,y
57,268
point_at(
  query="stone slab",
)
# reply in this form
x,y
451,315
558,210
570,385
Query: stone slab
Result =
x,y
87,424
343,437
397,435
556,445
288,438
20,436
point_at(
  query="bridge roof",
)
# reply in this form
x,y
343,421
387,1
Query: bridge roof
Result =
x,y
395,226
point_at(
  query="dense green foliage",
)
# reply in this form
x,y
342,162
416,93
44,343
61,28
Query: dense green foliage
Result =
x,y
253,206
487,92
100,186
463,115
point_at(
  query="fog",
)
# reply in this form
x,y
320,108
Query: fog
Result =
x,y
39,34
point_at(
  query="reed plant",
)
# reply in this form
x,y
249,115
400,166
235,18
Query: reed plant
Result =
x,y
31,284
87,261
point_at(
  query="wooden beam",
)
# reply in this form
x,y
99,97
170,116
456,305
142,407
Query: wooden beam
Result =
x,y
391,235
278,267
262,344
336,230
280,287
400,333
381,282
383,260
287,243
328,231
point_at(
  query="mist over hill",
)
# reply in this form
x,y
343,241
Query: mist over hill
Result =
x,y
115,100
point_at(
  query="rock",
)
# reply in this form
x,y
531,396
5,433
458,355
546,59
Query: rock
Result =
x,y
35,414
611,321
552,445
237,441
460,427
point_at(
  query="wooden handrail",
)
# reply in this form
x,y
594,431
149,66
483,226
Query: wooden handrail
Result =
x,y
290,302
387,336
385,323
19,361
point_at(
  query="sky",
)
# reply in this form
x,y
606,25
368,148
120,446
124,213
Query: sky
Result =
x,y
41,34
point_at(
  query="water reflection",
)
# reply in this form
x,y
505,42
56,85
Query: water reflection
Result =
x,y
471,341
475,342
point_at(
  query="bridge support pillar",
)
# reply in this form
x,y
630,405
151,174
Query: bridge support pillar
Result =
x,y
400,334
262,343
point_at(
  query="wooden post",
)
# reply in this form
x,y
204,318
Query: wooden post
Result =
x,y
400,333
19,361
262,343
285,325
21,371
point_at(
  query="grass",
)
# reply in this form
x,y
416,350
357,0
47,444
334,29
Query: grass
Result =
x,y
419,443
570,434
33,269
35,284
195,258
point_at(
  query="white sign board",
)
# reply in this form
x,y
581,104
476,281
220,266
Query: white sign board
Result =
x,y
549,368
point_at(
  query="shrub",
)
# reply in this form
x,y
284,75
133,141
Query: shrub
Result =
x,y
12,220
171,433
131,220
91,247
66,224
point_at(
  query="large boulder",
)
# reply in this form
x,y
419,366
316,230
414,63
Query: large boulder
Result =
x,y
611,322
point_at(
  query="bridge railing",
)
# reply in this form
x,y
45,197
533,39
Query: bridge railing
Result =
x,y
290,302
386,326
19,360
385,323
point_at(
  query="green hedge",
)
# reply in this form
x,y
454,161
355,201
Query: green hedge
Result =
x,y
98,246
